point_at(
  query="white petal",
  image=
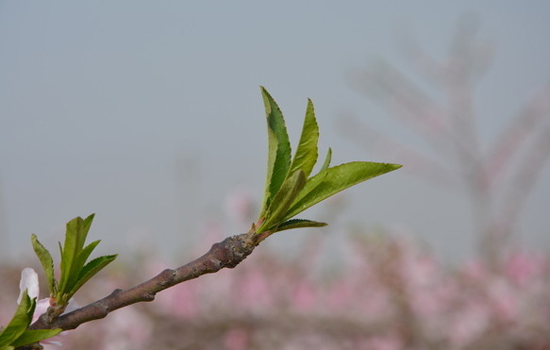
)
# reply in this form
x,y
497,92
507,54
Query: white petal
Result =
x,y
29,281
42,306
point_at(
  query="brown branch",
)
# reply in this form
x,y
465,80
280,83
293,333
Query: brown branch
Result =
x,y
227,253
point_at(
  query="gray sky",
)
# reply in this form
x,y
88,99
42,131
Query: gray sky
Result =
x,y
149,113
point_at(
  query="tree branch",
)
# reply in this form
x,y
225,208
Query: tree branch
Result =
x,y
227,253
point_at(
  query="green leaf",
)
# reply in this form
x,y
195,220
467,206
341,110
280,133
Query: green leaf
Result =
x,y
299,223
20,321
282,200
86,224
311,185
279,150
33,336
75,237
288,190
69,252
91,268
85,254
306,153
79,262
328,158
334,180
272,155
47,262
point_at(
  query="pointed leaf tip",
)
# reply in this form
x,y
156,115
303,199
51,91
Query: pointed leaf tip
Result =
x,y
279,150
307,153
46,261
334,180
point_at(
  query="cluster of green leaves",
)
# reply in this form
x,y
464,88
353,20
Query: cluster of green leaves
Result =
x,y
75,270
289,187
17,333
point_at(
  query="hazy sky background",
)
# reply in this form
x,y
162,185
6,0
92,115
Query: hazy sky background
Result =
x,y
149,114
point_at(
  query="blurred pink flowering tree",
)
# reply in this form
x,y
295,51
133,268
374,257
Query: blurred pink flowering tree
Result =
x,y
497,179
389,294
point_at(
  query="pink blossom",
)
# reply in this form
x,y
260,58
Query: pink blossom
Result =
x,y
504,299
181,301
236,339
520,267
468,323
304,297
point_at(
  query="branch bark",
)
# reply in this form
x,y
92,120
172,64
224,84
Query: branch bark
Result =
x,y
227,253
